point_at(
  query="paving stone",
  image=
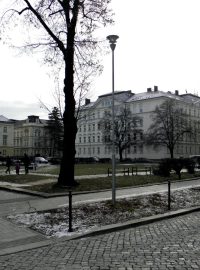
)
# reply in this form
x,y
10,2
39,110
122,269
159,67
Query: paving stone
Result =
x,y
164,245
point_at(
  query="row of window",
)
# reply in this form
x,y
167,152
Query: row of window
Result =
x,y
107,150
187,149
90,139
89,127
26,133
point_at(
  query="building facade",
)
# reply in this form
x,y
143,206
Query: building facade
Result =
x,y
31,136
89,141
6,136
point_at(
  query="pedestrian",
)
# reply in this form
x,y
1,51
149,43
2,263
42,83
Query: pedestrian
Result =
x,y
8,164
17,167
26,163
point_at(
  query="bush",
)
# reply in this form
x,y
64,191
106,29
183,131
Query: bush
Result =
x,y
176,164
189,164
163,168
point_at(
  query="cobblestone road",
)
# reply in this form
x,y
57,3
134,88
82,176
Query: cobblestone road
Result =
x,y
168,244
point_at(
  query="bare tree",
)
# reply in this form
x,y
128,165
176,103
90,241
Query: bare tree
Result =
x,y
66,30
169,125
127,130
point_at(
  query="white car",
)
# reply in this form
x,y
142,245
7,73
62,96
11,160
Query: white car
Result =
x,y
40,160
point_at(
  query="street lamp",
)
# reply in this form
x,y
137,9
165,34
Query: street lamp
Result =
x,y
112,40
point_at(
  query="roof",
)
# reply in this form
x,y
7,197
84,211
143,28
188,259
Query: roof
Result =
x,y
116,93
153,94
4,119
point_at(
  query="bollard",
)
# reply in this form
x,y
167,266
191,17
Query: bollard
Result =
x,y
70,212
169,194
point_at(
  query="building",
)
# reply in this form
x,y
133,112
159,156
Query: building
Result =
x,y
89,138
31,136
6,136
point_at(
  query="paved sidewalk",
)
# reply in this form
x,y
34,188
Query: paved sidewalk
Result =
x,y
164,245
14,238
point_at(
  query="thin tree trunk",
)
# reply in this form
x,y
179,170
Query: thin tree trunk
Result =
x,y
120,155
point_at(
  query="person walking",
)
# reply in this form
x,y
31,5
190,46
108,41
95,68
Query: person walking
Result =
x,y
26,163
17,167
8,164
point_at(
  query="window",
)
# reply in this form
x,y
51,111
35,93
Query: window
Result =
x,y
5,139
5,129
141,149
26,132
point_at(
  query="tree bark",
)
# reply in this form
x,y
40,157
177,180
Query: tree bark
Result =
x,y
120,155
66,176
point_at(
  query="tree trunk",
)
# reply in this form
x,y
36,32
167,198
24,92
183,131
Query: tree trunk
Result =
x,y
66,176
171,150
120,155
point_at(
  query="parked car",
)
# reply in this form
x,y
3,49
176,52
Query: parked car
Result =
x,y
40,160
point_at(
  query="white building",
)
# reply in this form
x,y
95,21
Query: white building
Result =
x,y
89,138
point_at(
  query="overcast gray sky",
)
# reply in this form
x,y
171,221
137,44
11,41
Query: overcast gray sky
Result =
x,y
158,44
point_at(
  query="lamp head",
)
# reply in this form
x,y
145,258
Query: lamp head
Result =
x,y
112,39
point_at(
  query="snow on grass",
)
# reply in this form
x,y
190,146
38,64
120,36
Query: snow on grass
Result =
x,y
55,223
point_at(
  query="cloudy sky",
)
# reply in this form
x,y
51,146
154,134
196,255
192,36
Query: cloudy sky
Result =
x,y
159,44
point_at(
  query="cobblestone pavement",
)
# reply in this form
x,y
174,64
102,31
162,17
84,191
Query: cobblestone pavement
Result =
x,y
168,244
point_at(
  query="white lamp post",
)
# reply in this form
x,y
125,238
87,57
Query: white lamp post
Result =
x,y
112,40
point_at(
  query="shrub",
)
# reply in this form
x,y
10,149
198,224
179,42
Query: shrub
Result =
x,y
189,164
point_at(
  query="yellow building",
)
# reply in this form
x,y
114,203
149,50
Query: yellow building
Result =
x,y
6,136
31,136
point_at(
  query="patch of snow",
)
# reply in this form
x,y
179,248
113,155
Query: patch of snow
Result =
x,y
87,216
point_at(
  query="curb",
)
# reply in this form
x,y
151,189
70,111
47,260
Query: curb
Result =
x,y
102,230
49,195
11,250
132,224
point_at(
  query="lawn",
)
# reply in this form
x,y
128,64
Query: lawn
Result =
x,y
99,183
22,178
88,169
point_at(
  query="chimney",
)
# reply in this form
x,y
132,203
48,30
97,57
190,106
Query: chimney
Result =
x,y
176,92
155,88
87,101
148,90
